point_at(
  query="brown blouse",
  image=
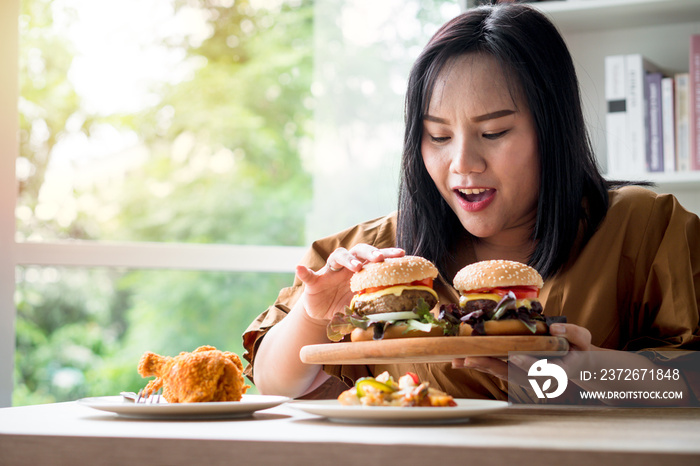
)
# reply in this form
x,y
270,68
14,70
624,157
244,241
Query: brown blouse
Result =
x,y
635,285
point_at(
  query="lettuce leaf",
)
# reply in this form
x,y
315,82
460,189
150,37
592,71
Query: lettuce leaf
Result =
x,y
507,303
414,324
343,323
505,309
448,327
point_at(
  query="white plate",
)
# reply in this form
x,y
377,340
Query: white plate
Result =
x,y
221,409
464,410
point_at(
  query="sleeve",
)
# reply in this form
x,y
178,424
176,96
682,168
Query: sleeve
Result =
x,y
668,266
379,232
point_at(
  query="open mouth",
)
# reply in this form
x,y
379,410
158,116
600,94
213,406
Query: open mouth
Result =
x,y
475,194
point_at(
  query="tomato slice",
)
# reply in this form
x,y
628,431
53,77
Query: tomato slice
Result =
x,y
520,292
426,282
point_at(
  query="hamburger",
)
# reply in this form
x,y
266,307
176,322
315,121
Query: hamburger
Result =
x,y
392,299
498,297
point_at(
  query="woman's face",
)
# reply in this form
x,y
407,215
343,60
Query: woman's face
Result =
x,y
480,148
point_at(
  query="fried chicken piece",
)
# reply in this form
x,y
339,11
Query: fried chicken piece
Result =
x,y
206,374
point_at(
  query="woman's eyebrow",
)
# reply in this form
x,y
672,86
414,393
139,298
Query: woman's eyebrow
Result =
x,y
435,119
492,115
476,119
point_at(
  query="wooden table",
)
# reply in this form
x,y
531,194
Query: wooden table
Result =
x,y
72,434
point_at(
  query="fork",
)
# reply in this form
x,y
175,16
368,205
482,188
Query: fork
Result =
x,y
149,398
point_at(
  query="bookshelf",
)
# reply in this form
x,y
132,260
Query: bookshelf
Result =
x,y
573,16
658,29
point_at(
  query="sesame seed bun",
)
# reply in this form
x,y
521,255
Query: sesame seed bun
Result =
x,y
496,273
392,271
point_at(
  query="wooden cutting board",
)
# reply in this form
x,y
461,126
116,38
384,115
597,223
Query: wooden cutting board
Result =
x,y
430,349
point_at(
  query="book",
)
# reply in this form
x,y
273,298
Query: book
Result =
x,y
668,123
682,82
652,117
636,68
694,106
618,156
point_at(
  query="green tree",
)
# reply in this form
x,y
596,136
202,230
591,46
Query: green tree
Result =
x,y
238,124
47,101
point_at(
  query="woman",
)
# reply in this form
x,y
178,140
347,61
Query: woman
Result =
x,y
497,165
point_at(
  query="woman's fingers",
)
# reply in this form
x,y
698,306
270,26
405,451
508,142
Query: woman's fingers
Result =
x,y
515,370
342,258
578,337
305,274
369,253
491,366
359,255
323,280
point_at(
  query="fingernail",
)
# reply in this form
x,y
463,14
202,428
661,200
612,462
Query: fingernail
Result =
x,y
557,329
355,263
376,253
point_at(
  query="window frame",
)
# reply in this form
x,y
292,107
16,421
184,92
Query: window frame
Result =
x,y
9,150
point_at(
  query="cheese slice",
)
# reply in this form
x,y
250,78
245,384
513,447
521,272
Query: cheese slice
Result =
x,y
524,303
395,290
464,299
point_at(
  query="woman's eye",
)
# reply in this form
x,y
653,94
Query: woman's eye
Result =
x,y
439,139
495,135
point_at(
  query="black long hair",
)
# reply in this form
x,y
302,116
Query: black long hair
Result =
x,y
537,63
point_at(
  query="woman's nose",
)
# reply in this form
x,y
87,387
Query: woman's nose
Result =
x,y
467,159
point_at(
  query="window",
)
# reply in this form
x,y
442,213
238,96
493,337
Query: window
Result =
x,y
175,157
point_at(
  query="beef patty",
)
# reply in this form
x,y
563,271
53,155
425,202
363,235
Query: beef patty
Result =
x,y
486,305
406,301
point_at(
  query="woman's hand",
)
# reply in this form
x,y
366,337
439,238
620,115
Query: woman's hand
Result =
x,y
327,291
278,369
579,339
